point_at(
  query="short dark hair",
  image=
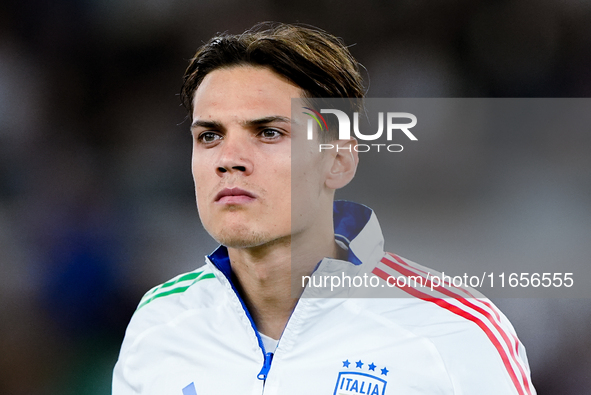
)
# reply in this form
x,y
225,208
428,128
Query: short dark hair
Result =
x,y
316,61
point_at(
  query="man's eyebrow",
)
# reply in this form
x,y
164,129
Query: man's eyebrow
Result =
x,y
250,123
206,124
265,120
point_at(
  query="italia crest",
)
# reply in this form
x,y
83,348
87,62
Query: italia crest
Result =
x,y
361,378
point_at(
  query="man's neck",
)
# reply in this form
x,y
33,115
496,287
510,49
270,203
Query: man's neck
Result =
x,y
267,277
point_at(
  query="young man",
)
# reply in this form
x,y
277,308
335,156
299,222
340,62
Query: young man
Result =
x,y
234,326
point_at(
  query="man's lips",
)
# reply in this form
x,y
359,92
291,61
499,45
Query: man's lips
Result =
x,y
234,196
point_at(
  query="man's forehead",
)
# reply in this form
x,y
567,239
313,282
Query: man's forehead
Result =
x,y
241,108
255,82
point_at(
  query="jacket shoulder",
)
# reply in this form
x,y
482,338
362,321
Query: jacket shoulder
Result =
x,y
176,285
165,302
465,327
164,305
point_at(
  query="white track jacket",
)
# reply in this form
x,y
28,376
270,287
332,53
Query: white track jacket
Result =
x,y
194,336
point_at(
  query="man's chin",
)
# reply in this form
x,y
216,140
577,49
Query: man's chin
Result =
x,y
233,238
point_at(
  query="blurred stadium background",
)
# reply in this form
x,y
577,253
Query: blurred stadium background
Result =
x,y
96,195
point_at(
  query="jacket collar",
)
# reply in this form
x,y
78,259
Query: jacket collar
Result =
x,y
357,228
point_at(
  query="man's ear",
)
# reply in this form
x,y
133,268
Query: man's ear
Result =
x,y
344,163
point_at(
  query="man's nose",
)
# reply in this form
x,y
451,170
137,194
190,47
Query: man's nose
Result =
x,y
235,155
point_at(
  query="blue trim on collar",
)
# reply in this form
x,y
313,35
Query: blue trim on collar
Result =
x,y
349,220
221,260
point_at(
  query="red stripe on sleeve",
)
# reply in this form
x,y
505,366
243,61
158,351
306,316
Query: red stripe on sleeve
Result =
x,y
403,262
464,314
465,302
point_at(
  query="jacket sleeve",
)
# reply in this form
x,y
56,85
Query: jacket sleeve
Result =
x,y
120,384
485,356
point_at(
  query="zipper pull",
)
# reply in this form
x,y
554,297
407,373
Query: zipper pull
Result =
x,y
266,366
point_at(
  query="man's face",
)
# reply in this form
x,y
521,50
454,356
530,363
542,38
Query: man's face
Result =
x,y
242,155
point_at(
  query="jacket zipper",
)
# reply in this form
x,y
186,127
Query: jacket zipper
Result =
x,y
266,366
267,356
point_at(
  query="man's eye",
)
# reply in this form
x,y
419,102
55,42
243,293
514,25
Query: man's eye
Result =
x,y
270,134
208,137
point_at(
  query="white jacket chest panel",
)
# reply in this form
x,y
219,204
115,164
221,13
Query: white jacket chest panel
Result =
x,y
353,354
327,347
209,346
